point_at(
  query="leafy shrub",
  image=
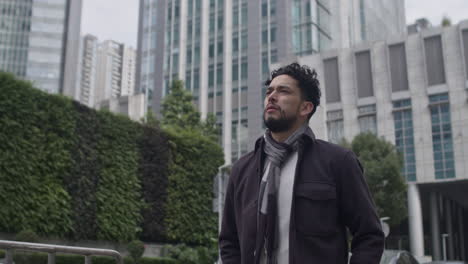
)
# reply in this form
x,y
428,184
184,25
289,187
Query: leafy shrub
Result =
x,y
136,248
27,236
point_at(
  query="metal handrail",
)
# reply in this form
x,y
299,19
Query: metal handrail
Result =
x,y
10,246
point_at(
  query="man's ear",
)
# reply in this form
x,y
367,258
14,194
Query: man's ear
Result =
x,y
306,108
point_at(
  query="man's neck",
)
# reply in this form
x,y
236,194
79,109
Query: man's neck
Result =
x,y
282,136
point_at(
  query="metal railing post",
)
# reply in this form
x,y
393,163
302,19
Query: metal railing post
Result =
x,y
9,256
50,258
87,259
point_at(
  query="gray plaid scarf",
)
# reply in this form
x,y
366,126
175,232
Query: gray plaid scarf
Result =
x,y
276,154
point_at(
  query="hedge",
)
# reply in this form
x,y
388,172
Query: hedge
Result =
x,y
35,132
190,217
70,171
153,170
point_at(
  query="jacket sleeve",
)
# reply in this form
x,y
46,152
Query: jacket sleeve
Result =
x,y
228,237
359,214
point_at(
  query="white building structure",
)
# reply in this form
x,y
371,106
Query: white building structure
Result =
x,y
87,70
115,70
413,91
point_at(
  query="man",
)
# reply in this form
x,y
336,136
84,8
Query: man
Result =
x,y
292,199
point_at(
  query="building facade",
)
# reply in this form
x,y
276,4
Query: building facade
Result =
x,y
223,50
115,71
366,20
413,91
87,70
39,42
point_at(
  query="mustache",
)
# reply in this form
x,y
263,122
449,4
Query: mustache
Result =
x,y
269,106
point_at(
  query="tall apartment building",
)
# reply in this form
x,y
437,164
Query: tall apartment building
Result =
x,y
39,42
115,71
87,70
413,91
223,50
366,20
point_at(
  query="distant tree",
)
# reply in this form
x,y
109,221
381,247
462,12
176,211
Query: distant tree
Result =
x,y
382,169
150,119
446,21
179,112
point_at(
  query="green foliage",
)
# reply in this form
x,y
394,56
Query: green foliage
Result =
x,y
178,109
136,248
153,171
383,166
195,160
446,22
82,180
69,171
35,129
193,255
118,196
179,112
27,236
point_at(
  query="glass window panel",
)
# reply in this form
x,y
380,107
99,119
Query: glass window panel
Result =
x,y
434,60
398,68
364,74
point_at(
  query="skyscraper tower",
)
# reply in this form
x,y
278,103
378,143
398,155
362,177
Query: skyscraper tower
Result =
x,y
39,41
223,49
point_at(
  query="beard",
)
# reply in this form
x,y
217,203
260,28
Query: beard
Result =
x,y
281,124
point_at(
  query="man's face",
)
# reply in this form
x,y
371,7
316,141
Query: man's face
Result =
x,y
284,106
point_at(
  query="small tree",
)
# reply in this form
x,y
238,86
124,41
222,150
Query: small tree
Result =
x,y
179,112
446,22
382,169
136,248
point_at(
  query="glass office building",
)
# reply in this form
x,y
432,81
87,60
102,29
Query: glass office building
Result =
x,y
39,41
223,51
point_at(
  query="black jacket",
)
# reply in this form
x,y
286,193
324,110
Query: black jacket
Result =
x,y
330,194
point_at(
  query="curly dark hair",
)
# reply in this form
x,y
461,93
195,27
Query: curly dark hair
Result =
x,y
307,80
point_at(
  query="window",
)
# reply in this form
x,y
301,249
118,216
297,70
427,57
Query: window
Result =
x,y
265,37
235,71
211,76
465,49
404,139
211,50
332,80
364,74
398,69
220,47
442,136
273,35
367,119
434,61
335,126
264,9
244,71
219,74
235,44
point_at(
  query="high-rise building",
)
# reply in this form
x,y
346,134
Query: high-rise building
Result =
x,y
223,49
366,20
39,42
115,71
87,72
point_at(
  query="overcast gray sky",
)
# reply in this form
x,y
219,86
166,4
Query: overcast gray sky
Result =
x,y
118,19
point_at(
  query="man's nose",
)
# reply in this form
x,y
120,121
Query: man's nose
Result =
x,y
272,97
